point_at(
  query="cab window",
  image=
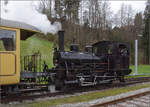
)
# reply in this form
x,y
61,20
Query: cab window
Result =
x,y
123,51
7,40
103,49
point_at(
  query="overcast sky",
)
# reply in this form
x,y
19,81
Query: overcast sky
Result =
x,y
24,11
136,5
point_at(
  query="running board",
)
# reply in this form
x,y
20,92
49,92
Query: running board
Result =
x,y
95,83
88,83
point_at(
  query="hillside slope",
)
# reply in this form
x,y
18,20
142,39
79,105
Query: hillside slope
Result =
x,y
35,44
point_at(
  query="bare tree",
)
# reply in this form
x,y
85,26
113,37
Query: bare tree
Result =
x,y
138,23
129,15
125,15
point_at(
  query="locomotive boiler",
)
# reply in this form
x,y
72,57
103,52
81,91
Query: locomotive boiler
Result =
x,y
101,62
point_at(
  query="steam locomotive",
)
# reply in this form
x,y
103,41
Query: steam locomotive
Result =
x,y
102,62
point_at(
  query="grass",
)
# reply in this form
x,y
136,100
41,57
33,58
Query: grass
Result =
x,y
87,97
142,69
35,44
136,76
2,46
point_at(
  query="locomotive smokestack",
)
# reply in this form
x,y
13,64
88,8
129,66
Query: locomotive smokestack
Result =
x,y
61,40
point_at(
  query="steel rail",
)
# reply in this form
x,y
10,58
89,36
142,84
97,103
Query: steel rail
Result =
x,y
28,95
119,100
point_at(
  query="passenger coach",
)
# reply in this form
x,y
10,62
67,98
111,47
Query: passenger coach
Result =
x,y
11,33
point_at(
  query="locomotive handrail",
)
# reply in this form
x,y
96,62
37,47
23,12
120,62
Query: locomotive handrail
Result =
x,y
66,67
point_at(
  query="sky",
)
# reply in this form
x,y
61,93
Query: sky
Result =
x,y
137,5
24,11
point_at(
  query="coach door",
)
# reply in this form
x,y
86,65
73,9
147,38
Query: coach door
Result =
x,y
7,52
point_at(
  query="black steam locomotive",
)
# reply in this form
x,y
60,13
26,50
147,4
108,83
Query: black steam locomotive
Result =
x,y
102,62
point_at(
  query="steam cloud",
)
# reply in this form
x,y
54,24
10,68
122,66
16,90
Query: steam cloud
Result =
x,y
24,11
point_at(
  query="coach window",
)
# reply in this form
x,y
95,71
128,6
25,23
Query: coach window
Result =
x,y
7,40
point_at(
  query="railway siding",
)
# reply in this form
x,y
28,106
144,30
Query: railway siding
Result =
x,y
138,98
109,101
143,101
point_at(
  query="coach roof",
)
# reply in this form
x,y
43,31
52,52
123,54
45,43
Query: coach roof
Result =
x,y
26,29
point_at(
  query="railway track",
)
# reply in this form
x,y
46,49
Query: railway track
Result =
x,y
32,95
141,99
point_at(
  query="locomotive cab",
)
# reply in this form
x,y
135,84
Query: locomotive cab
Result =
x,y
117,54
99,49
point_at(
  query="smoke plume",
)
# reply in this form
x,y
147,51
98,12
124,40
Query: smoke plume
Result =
x,y
24,11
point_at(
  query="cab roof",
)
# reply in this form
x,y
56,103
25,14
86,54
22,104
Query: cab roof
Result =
x,y
26,29
108,42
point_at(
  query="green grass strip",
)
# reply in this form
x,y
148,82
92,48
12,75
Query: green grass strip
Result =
x,y
142,69
35,44
136,76
87,97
